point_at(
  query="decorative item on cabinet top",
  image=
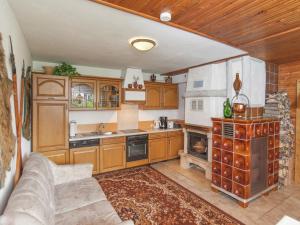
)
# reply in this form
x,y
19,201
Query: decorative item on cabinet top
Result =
x,y
240,101
65,69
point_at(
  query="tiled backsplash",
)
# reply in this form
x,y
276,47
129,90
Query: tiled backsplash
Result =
x,y
272,78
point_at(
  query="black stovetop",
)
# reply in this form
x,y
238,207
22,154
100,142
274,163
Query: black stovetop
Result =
x,y
129,131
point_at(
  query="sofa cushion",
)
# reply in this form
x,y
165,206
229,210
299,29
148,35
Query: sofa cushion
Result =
x,y
40,164
25,202
33,197
76,194
19,218
94,214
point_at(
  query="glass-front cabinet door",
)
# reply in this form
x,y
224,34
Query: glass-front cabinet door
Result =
x,y
83,94
109,95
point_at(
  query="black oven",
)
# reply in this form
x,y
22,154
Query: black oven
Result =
x,y
136,147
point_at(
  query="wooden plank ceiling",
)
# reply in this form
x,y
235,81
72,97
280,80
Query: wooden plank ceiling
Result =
x,y
267,29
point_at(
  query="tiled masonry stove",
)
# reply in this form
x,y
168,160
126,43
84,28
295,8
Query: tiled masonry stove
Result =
x,y
197,149
245,157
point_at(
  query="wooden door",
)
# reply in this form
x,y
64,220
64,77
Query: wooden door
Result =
x,y
170,96
59,157
83,94
49,87
297,154
175,144
157,150
50,125
112,157
153,96
86,155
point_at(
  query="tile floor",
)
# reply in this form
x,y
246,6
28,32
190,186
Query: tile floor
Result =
x,y
265,210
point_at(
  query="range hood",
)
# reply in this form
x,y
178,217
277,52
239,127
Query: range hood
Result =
x,y
133,95
206,91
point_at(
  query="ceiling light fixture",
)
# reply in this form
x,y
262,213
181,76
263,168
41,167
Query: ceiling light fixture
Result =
x,y
142,43
165,16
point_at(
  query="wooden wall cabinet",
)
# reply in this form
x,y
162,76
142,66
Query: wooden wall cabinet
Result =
x,y
108,95
112,156
169,97
60,157
161,96
86,155
49,87
83,94
153,96
91,93
50,125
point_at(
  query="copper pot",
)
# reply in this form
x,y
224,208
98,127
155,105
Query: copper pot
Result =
x,y
239,107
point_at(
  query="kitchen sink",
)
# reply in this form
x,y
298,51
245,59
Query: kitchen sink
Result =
x,y
108,133
97,133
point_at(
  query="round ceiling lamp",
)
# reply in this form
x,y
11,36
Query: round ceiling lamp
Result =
x,y
142,43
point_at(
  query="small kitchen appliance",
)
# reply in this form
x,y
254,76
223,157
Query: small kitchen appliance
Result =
x,y
170,124
73,128
156,124
163,122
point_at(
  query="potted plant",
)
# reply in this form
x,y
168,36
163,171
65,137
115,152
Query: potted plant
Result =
x,y
65,69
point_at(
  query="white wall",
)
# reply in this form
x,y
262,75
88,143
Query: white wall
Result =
x,y
111,116
9,26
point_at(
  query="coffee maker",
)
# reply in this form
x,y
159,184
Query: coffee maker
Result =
x,y
163,122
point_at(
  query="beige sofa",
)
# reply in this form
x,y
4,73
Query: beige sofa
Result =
x,y
50,194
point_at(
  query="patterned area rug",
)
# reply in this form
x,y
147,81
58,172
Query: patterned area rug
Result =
x,y
148,197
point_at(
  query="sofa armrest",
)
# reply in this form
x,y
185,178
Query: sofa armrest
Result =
x,y
126,222
67,173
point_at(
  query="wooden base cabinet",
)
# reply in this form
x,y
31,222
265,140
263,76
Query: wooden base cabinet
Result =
x,y
112,157
60,157
86,155
50,117
50,125
175,144
165,145
158,149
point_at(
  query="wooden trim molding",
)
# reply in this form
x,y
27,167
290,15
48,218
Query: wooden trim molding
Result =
x,y
185,70
297,153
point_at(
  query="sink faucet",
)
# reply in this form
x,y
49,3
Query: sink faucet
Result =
x,y
101,126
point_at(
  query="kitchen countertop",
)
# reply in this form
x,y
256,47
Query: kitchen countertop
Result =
x,y
79,137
